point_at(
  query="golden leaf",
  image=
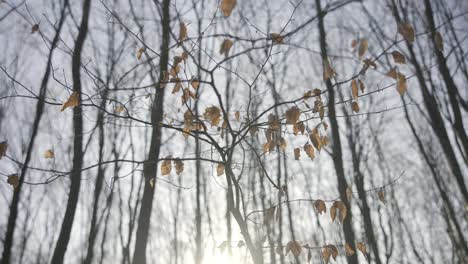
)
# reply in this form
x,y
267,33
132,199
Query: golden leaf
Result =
x,y
292,115
320,206
398,57
34,28
294,247
362,247
227,6
363,46
13,180
73,100
119,109
354,89
220,169
401,84
381,195
341,207
225,47
297,153
277,38
179,165
407,31
309,150
355,107
3,149
213,114
237,116
140,52
49,154
439,41
349,250
182,31
166,166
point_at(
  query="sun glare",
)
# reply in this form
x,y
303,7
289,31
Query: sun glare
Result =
x,y
219,258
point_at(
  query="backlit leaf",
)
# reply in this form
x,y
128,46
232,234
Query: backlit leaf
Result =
x,y
73,100
227,6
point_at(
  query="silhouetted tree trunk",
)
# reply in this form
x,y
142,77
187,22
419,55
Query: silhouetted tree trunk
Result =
x,y
150,167
75,182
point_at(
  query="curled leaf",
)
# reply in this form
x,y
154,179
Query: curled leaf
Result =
x,y
297,153
140,52
166,166
292,115
277,38
294,247
355,107
354,89
182,31
213,114
179,165
407,31
349,250
363,46
320,206
439,41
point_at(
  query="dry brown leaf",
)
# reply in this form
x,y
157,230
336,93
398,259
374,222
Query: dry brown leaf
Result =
x,y
361,85
182,31
166,166
73,100
381,195
363,46
3,149
292,115
213,114
407,31
309,150
277,38
355,107
316,139
220,169
354,89
294,247
195,83
237,116
282,144
13,180
439,41
401,84
140,52
398,57
349,250
298,127
328,71
362,247
179,166
119,109
392,73
34,28
338,206
326,253
227,6
320,206
225,47
297,153
49,154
